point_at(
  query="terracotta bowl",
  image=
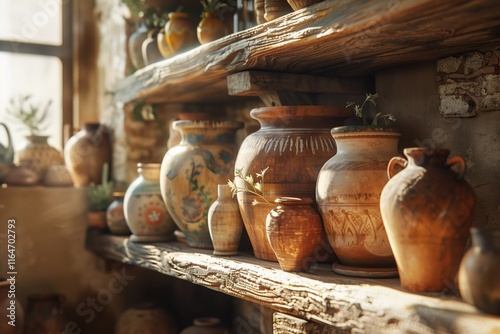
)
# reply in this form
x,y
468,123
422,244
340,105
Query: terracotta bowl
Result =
x,y
299,4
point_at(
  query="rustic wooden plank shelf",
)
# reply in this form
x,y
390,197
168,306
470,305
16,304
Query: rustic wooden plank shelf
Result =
x,y
352,305
331,38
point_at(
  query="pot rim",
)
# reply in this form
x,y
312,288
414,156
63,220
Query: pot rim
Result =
x,y
300,111
366,128
185,124
294,200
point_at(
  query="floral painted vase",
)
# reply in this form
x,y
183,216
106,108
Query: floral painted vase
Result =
x,y
38,155
191,171
115,215
145,212
348,195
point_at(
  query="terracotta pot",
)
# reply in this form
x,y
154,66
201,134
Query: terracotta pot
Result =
x,y
294,142
44,314
191,171
135,44
348,192
162,44
210,28
115,216
86,152
180,32
294,231
276,8
206,326
145,319
96,220
11,311
427,212
38,155
224,222
480,269
299,4
145,212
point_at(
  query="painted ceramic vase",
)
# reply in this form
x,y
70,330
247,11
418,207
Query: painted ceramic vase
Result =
x,y
224,222
206,326
145,212
294,231
348,194
44,314
480,269
115,215
146,319
294,142
180,32
191,171
427,210
86,152
10,313
38,155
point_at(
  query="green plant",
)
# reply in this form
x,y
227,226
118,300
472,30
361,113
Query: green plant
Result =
x,y
250,185
364,115
31,115
100,196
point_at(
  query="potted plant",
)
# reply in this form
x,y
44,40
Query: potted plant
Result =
x,y
37,155
348,191
211,27
99,198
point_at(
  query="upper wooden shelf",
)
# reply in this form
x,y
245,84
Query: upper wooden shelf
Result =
x,y
321,296
331,38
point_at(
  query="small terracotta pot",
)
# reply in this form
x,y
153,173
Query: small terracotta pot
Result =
x,y
97,220
294,231
479,273
180,33
210,28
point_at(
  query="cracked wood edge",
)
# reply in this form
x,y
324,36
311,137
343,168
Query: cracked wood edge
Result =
x,y
351,37
366,305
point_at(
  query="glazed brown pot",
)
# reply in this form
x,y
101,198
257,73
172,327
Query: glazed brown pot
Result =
x,y
86,152
294,231
180,32
479,273
294,142
427,210
210,28
348,192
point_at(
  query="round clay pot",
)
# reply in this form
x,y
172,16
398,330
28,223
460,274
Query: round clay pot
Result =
x,y
57,176
191,171
163,46
145,212
210,28
224,222
294,142
180,32
294,231
96,220
21,176
85,154
348,192
12,313
427,211
480,269
38,155
115,216
146,319
206,326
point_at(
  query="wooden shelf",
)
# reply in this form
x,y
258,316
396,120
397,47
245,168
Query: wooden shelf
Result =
x,y
320,296
331,38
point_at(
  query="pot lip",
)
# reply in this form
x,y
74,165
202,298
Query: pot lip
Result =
x,y
300,111
185,124
368,129
425,150
294,200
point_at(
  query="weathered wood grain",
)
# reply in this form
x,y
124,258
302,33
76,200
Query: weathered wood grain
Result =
x,y
347,304
331,38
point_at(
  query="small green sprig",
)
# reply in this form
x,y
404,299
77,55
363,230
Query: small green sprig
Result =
x,y
362,114
255,187
32,116
100,196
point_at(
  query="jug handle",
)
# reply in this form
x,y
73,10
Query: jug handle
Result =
x,y
458,160
392,163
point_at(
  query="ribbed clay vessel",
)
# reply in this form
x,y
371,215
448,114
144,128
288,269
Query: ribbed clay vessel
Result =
x,y
294,142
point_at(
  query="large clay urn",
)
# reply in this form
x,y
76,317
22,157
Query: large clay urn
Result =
x,y
348,193
294,142
86,152
191,171
427,210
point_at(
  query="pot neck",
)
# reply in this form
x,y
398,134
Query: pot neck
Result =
x,y
486,238
224,192
196,132
420,156
38,139
383,143
149,171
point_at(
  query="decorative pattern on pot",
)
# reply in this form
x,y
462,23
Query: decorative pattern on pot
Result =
x,y
294,231
145,212
115,215
191,171
478,276
427,210
348,194
294,142
38,155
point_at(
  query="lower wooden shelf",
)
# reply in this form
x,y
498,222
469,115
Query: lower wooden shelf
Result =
x,y
351,305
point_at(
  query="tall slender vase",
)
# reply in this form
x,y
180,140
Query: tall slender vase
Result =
x,y
348,193
191,171
427,210
38,155
145,212
86,152
294,142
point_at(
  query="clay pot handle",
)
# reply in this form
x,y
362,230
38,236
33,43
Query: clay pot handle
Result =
x,y
392,163
458,160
